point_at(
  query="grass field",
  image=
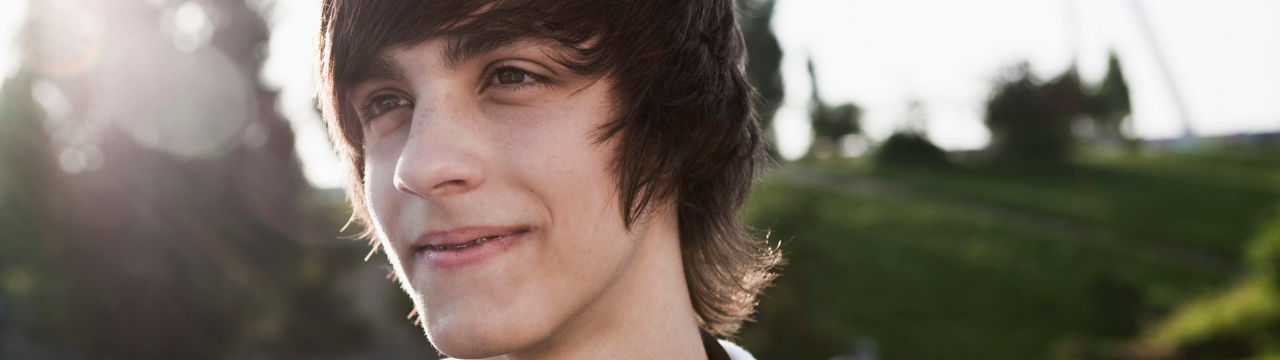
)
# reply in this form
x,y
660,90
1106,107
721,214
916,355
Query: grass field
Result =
x,y
986,262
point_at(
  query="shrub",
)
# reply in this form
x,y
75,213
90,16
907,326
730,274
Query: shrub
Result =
x,y
909,148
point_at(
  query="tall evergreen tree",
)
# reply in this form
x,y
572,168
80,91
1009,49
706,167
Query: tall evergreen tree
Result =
x,y
764,63
1109,106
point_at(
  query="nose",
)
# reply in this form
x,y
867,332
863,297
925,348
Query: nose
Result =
x,y
441,155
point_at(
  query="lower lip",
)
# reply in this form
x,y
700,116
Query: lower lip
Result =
x,y
474,254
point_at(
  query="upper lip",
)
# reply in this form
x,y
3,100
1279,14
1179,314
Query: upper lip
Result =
x,y
461,235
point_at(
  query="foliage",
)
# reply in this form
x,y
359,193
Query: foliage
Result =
x,y
31,285
1242,321
1109,105
764,63
1264,254
909,145
830,123
1030,121
909,148
1237,323
156,255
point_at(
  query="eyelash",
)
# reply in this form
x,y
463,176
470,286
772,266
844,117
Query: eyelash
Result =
x,y
369,111
532,78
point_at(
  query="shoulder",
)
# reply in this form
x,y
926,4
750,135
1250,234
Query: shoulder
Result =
x,y
736,352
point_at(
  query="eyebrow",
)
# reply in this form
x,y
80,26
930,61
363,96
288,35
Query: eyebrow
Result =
x,y
458,51
378,69
469,46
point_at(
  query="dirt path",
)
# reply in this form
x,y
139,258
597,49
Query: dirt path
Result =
x,y
870,187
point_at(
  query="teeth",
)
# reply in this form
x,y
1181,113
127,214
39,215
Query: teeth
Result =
x,y
464,245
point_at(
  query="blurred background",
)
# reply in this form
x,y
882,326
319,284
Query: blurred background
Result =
x,y
994,179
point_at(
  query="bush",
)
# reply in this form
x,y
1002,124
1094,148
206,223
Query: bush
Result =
x,y
1264,254
1243,321
1030,120
908,148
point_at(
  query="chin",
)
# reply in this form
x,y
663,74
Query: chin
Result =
x,y
463,349
480,333
462,343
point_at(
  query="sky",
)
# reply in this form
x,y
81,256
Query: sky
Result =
x,y
10,19
882,55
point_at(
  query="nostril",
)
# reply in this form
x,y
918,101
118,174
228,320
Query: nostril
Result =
x,y
449,184
452,183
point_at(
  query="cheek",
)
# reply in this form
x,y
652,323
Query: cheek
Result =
x,y
382,198
562,165
558,143
570,175
378,171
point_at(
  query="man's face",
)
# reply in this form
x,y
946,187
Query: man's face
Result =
x,y
491,199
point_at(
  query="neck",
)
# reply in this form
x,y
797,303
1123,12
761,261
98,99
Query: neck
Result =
x,y
645,314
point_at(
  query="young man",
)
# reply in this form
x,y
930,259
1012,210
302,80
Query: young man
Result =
x,y
553,179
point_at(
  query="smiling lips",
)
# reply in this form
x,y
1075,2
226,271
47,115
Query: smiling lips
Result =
x,y
466,245
463,245
463,237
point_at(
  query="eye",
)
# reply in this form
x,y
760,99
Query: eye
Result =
x,y
382,104
508,75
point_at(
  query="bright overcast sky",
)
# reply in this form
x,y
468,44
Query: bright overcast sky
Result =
x,y
882,54
1223,56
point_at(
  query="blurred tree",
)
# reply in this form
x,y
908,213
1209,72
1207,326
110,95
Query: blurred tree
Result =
x,y
1030,122
830,124
909,148
909,145
128,247
31,285
1241,322
1264,254
764,62
1109,107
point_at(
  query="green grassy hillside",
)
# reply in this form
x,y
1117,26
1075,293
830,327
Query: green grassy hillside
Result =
x,y
984,262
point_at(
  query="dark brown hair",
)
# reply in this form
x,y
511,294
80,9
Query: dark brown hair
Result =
x,y
686,130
